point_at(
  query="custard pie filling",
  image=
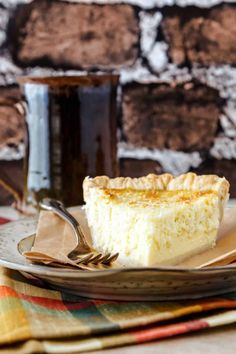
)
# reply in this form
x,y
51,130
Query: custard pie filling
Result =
x,y
153,226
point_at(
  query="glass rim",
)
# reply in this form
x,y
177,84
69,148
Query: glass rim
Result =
x,y
70,80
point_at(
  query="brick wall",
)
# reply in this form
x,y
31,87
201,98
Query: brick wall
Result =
x,y
178,78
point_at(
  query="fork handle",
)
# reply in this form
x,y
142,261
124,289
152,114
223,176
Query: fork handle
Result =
x,y
58,208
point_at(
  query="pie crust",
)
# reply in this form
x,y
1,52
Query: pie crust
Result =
x,y
187,181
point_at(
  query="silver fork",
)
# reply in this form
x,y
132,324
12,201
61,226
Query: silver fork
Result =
x,y
83,253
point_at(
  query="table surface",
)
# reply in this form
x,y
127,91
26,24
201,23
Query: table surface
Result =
x,y
211,341
220,340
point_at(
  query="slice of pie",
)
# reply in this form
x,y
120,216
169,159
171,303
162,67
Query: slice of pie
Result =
x,y
155,220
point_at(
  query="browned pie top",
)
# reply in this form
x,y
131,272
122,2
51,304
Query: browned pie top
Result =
x,y
153,197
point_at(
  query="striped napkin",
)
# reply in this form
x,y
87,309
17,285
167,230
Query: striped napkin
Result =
x,y
34,319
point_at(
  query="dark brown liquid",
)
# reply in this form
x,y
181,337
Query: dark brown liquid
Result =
x,y
72,134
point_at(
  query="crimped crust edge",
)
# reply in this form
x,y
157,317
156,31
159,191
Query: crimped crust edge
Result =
x,y
187,181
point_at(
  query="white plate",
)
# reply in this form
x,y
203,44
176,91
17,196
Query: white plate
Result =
x,y
146,284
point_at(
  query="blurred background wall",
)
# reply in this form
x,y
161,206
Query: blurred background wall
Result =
x,y
176,58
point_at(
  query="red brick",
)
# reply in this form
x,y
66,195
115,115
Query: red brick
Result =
x,y
12,123
60,34
160,116
201,36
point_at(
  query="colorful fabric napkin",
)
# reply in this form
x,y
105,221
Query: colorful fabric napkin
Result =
x,y
35,319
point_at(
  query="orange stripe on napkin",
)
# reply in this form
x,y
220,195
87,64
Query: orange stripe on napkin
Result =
x,y
169,330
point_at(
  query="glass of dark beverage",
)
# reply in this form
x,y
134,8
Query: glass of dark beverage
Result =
x,y
71,125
